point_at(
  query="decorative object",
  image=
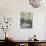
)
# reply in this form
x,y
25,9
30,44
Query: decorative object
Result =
x,y
26,20
30,39
35,38
35,3
6,24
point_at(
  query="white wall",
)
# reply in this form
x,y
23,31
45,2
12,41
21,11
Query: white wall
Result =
x,y
12,8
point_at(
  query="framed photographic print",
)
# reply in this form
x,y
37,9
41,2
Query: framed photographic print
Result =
x,y
26,19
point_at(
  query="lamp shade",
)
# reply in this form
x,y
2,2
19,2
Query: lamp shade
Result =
x,y
36,3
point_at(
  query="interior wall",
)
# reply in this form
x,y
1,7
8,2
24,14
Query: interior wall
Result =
x,y
12,8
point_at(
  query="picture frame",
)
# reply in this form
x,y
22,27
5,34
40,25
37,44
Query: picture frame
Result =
x,y
26,19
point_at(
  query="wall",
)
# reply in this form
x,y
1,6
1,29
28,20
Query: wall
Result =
x,y
12,8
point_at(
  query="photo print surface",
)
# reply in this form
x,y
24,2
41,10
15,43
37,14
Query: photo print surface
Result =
x,y
26,19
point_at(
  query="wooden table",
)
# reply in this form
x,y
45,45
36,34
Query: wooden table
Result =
x,y
30,43
27,42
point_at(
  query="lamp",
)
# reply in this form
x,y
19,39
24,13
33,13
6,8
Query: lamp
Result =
x,y
35,3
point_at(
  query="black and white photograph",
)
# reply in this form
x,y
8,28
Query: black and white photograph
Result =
x,y
26,20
